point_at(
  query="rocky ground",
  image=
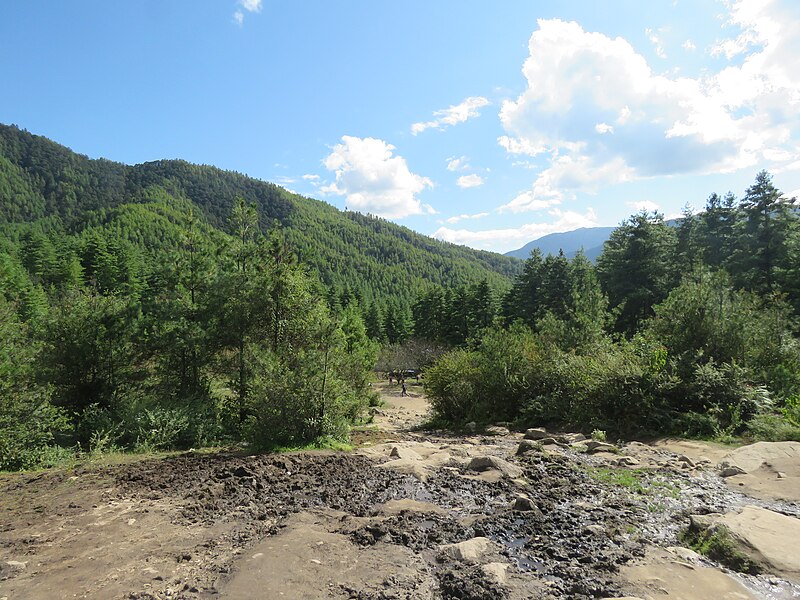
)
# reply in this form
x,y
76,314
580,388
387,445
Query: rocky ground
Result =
x,y
409,515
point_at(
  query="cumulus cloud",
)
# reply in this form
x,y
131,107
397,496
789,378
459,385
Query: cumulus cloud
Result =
x,y
311,177
598,114
689,46
565,176
469,181
502,240
373,180
453,115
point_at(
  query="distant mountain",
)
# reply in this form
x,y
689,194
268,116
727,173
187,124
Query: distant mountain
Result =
x,y
589,239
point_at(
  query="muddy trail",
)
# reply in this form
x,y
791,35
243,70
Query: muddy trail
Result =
x,y
408,515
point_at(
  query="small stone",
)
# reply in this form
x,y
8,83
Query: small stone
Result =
x,y
781,475
528,446
523,504
536,433
497,430
686,460
405,453
595,529
731,471
316,561
626,461
16,564
469,551
595,446
482,463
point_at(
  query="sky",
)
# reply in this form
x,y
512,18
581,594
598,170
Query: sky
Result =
x,y
481,123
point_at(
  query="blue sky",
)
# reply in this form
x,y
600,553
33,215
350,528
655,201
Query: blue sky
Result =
x,y
482,123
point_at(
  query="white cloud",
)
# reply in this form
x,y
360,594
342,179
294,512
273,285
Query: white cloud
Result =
x,y
453,115
689,46
503,240
584,86
520,146
458,218
646,205
565,176
373,180
469,181
251,6
658,43
311,177
457,164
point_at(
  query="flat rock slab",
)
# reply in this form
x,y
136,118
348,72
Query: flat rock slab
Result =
x,y
768,537
662,575
771,470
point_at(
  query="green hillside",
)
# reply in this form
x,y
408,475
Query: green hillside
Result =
x,y
52,188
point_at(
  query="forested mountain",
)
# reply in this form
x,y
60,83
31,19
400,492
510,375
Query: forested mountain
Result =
x,y
590,240
60,192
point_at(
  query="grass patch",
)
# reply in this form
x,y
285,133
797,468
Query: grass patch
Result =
x,y
718,544
630,479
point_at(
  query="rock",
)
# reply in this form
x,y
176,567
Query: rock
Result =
x,y
781,475
497,430
523,504
595,530
528,446
496,571
406,453
593,446
18,565
549,441
471,551
482,463
471,427
572,438
685,554
686,460
626,461
537,433
731,471
703,522
769,538
781,456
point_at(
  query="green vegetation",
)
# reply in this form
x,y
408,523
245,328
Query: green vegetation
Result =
x,y
688,330
169,305
717,544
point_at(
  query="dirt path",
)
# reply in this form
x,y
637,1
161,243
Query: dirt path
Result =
x,y
408,515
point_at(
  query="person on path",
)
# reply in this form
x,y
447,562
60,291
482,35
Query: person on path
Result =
x,y
403,390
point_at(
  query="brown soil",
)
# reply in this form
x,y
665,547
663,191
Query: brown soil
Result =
x,y
368,525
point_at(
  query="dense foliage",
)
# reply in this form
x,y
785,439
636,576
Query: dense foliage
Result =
x,y
687,329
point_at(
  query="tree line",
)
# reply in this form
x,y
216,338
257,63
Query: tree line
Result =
x,y
687,328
